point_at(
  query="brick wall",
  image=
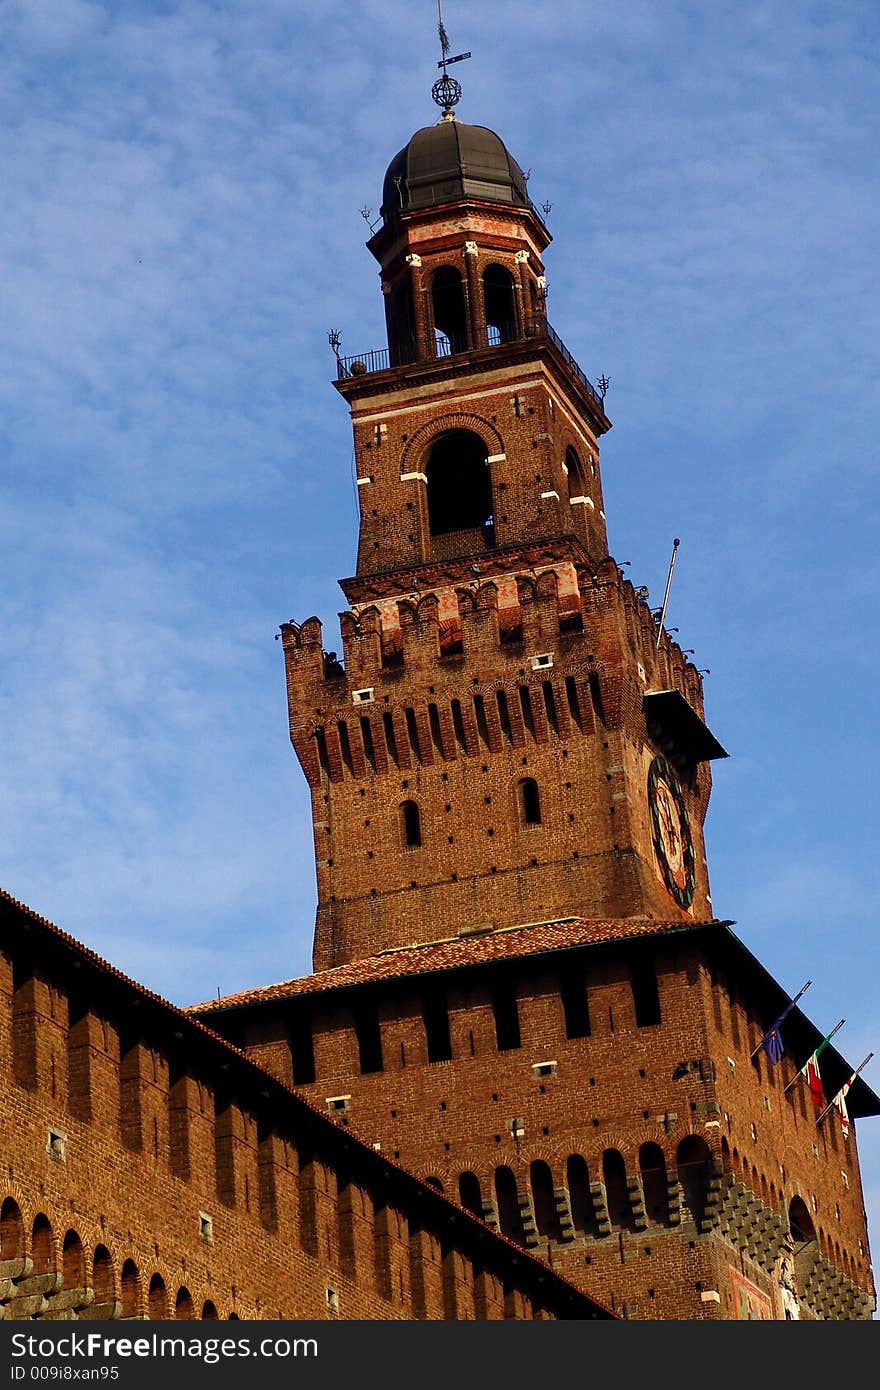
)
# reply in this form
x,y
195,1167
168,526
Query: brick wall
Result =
x,y
665,1157
150,1170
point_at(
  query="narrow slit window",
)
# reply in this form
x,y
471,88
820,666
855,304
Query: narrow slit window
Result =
x,y
525,701
367,736
390,738
345,746
506,1014
321,745
596,697
302,1050
482,724
646,997
458,725
550,706
574,704
412,730
504,715
435,1015
411,824
434,721
575,1003
529,801
369,1038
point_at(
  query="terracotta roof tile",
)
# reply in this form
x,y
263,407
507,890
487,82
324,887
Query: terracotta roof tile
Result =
x,y
431,956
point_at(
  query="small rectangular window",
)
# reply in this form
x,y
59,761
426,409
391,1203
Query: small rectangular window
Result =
x,y
543,1069
56,1144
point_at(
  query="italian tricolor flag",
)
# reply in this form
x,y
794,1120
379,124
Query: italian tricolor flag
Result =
x,y
810,1072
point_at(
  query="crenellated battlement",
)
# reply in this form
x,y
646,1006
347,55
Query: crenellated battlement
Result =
x,y
151,1170
586,633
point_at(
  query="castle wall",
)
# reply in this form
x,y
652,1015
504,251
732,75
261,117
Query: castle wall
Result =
x,y
711,1152
150,1170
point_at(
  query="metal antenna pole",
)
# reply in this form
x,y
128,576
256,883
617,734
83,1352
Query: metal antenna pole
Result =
x,y
675,545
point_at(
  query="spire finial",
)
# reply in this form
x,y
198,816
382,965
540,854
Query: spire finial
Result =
x,y
446,91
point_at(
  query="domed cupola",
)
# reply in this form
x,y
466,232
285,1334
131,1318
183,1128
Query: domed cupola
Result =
x,y
448,161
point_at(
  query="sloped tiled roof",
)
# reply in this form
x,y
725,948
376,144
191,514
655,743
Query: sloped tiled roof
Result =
x,y
431,956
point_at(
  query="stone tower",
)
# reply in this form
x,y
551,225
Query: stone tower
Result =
x,y
521,992
511,738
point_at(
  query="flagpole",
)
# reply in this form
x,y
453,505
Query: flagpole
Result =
x,y
836,1029
785,1011
830,1104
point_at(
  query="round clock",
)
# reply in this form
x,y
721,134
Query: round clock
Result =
x,y
671,832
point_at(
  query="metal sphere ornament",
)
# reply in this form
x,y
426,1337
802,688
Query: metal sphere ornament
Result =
x,y
446,92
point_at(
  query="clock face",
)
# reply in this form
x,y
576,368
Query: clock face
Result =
x,y
671,832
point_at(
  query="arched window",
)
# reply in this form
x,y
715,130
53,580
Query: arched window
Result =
x,y
577,483
583,1213
11,1231
209,1312
469,1193
450,316
500,304
652,1167
800,1222
529,801
130,1286
616,1191
435,1183
803,1235
158,1298
411,824
544,1200
42,1246
102,1275
183,1305
73,1261
459,488
507,1199
693,1162
401,325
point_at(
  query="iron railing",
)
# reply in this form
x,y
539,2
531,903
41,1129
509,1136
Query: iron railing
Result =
x,y
402,354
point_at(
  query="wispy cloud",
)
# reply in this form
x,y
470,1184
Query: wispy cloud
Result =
x,y
179,230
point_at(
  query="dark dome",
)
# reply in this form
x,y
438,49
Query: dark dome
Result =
x,y
447,161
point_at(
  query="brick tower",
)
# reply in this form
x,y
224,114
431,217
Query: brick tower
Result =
x,y
508,741
520,989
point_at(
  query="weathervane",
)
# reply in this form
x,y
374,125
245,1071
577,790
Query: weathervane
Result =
x,y
446,91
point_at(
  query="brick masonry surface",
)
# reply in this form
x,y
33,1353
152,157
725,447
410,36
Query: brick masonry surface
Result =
x,y
151,1170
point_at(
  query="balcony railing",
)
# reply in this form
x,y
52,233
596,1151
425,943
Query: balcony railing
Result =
x,y
403,354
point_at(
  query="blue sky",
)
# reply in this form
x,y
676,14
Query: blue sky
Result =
x,y
180,228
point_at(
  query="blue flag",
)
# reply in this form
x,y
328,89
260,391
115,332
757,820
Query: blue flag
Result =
x,y
772,1040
